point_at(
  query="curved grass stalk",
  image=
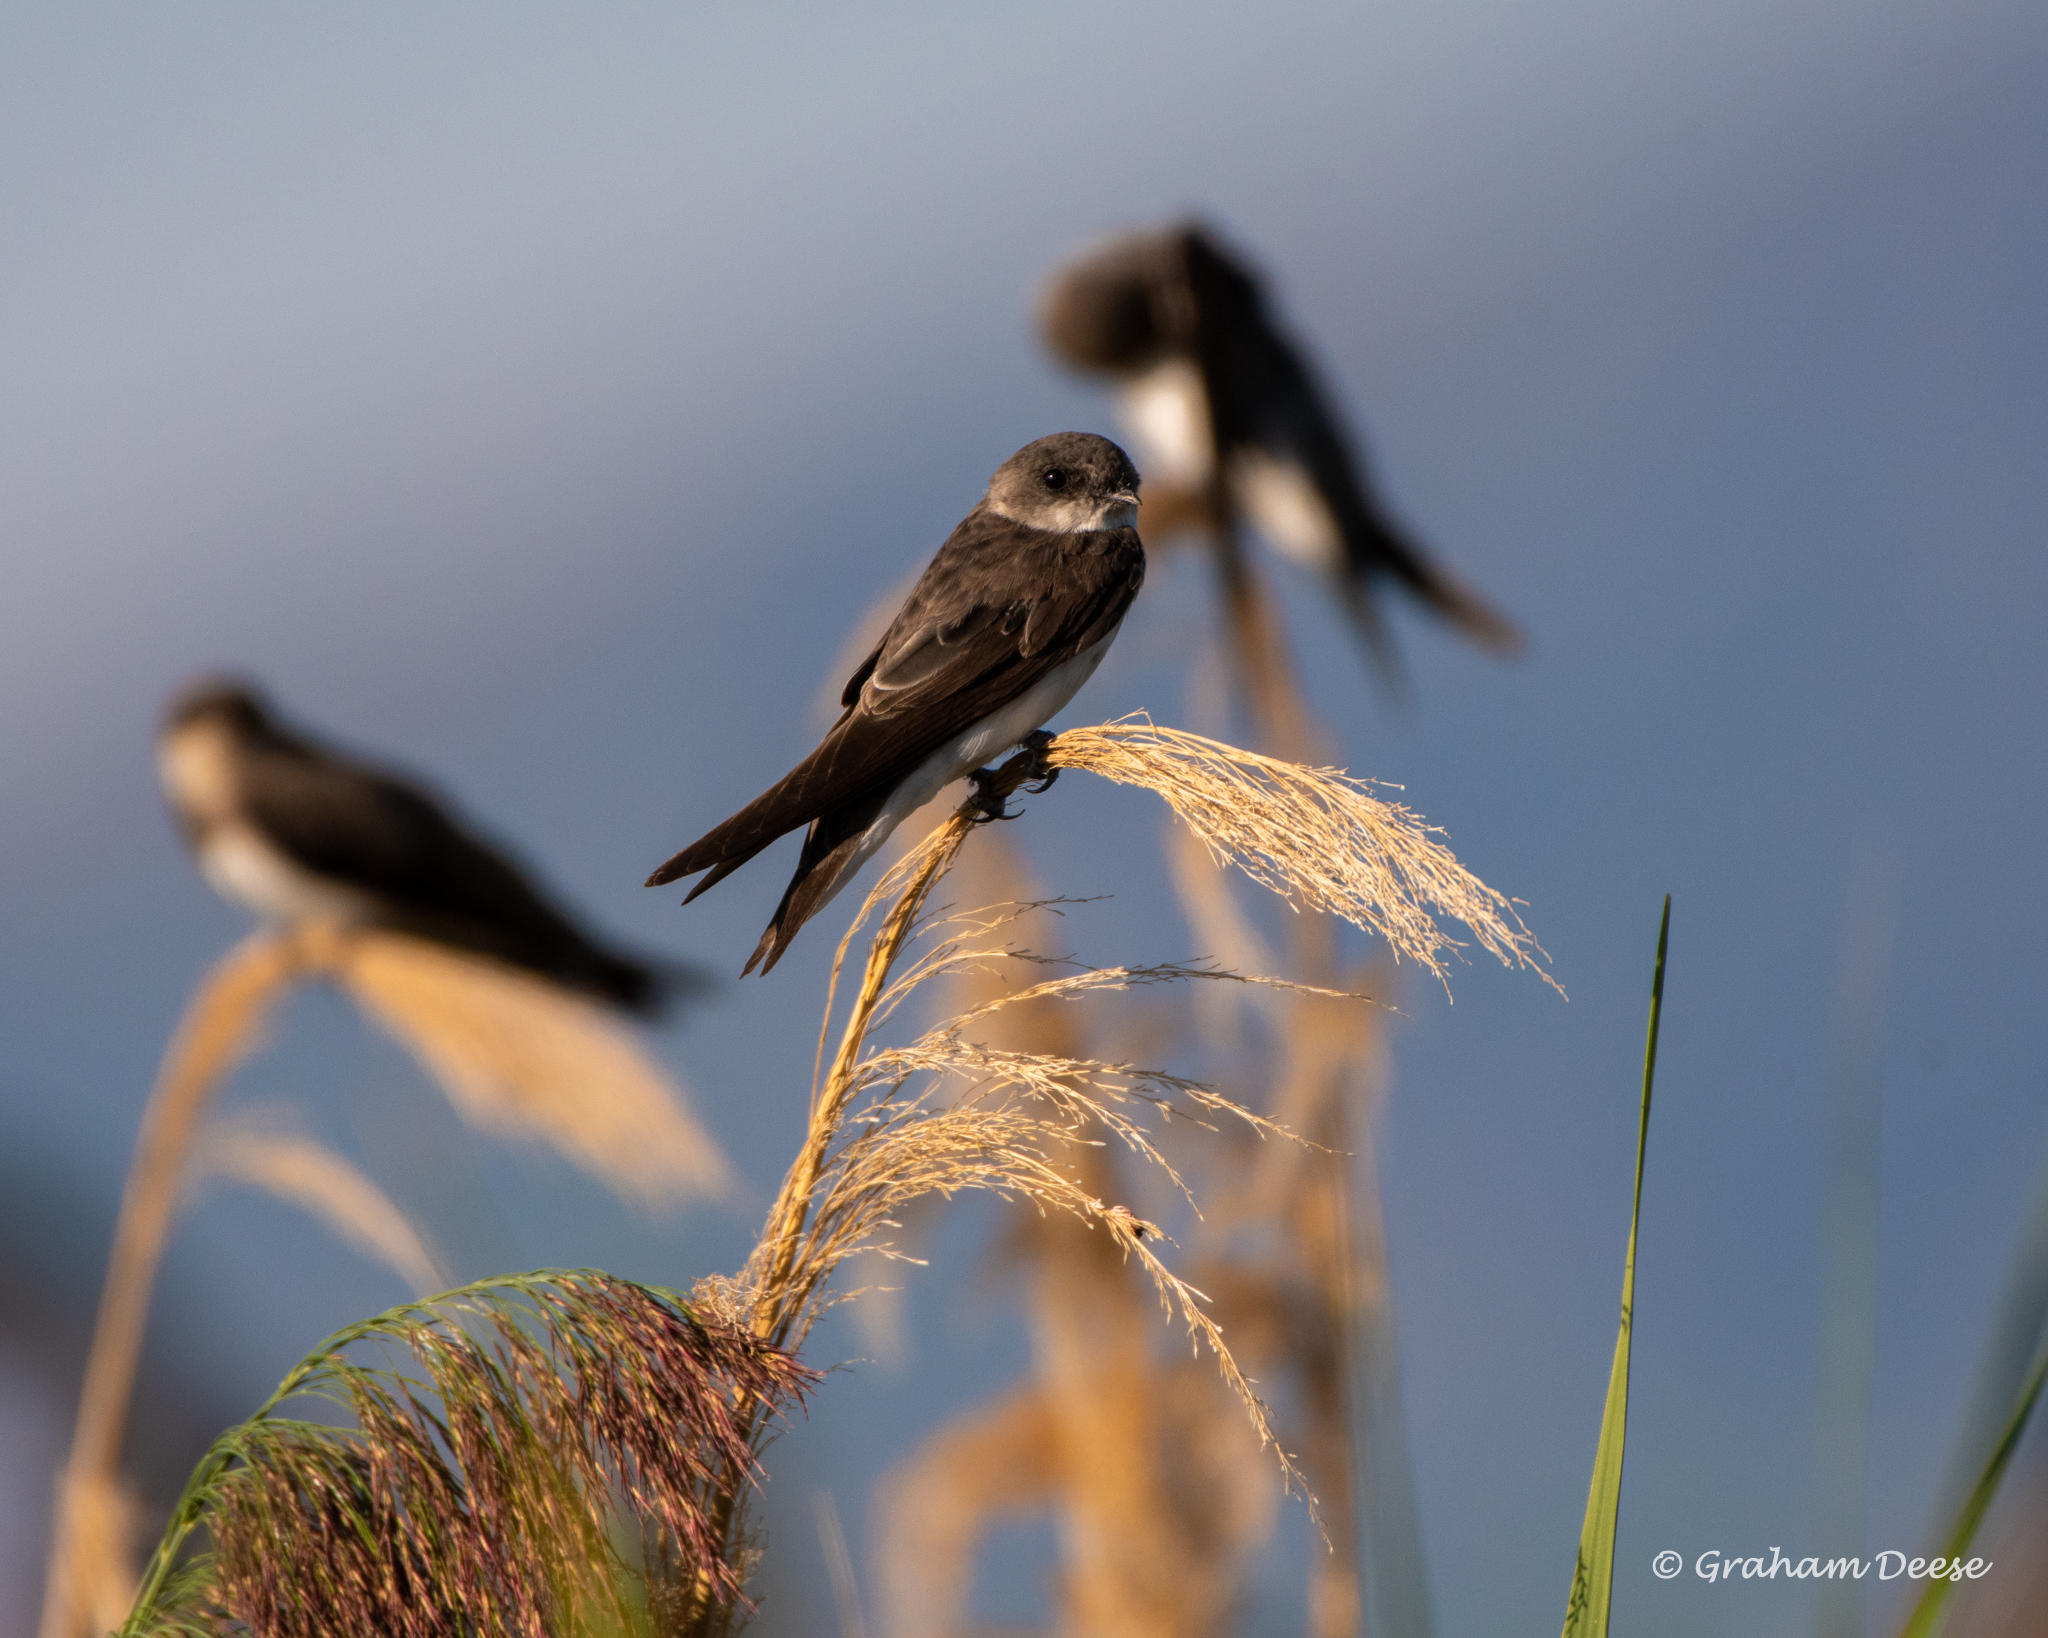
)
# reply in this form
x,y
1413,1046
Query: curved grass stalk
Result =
x,y
88,1581
311,1176
1925,1619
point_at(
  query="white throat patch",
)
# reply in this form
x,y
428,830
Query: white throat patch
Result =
x,y
197,765
1072,517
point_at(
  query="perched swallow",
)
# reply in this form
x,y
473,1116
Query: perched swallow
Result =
x,y
1002,629
1230,419
294,831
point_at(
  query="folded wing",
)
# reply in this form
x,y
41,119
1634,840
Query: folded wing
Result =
x,y
379,833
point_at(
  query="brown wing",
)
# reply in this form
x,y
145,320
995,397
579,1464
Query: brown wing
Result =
x,y
384,835
1263,395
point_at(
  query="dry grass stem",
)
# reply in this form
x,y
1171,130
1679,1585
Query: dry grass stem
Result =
x,y
1315,836
1150,1464
88,1547
311,1176
97,1511
519,1055
1007,1135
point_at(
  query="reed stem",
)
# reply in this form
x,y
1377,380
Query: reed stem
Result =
x,y
779,1301
220,1025
773,1313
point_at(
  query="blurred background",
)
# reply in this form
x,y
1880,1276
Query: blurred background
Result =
x,y
536,396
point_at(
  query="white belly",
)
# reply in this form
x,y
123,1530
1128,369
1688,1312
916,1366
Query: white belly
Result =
x,y
978,746
241,866
1167,414
1278,496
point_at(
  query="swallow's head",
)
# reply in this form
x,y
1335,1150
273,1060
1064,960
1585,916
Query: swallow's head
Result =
x,y
231,703
1141,298
1068,483
1099,312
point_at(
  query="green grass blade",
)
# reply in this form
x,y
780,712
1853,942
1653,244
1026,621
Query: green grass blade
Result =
x,y
1585,1614
1926,1616
2010,1353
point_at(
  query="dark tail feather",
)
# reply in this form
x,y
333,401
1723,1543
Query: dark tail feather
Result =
x,y
691,860
724,849
1385,551
1472,615
712,878
810,889
792,801
825,866
648,988
638,986
1356,593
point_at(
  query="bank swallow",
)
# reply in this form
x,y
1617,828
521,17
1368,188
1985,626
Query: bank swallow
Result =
x,y
294,831
1229,417
1010,619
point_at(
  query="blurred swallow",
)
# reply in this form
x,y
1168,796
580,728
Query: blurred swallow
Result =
x,y
293,831
999,633
1231,420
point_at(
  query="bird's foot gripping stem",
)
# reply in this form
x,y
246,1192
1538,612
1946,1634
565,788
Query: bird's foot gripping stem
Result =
x,y
991,794
1031,768
1037,765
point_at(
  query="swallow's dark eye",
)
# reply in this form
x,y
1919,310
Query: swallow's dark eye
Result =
x,y
1053,478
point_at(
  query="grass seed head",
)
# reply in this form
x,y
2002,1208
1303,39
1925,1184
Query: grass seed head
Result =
x,y
485,1463
1315,836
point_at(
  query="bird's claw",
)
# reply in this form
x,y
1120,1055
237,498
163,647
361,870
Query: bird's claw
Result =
x,y
1039,772
1031,768
986,803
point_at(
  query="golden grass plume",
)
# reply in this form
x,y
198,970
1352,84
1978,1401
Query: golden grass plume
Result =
x,y
1315,836
519,1055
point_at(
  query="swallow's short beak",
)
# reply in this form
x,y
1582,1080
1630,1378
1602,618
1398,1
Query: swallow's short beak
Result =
x,y
1128,496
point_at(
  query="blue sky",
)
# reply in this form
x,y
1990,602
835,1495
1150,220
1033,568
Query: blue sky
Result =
x,y
536,395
